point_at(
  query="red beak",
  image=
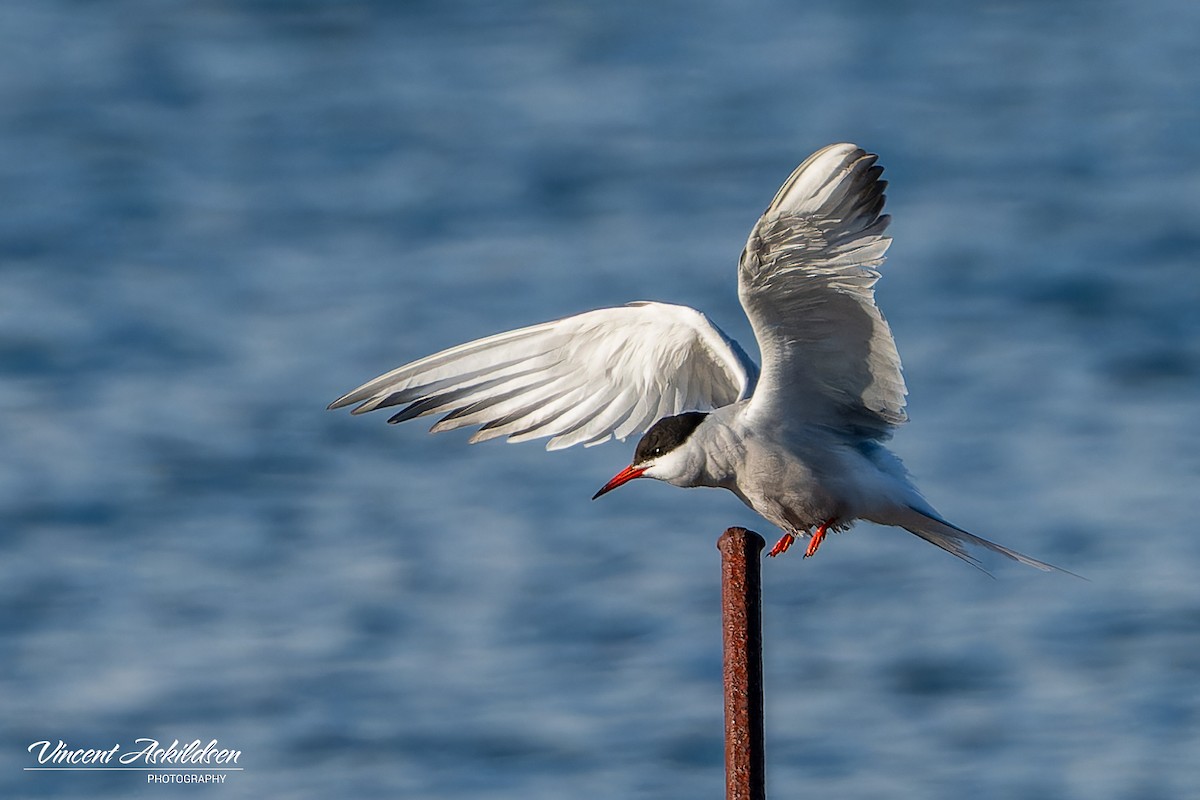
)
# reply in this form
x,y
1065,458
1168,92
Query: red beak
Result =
x,y
624,476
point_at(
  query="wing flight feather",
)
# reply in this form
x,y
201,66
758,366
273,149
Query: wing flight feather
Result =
x,y
578,380
806,280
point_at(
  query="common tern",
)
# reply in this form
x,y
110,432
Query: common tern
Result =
x,y
799,441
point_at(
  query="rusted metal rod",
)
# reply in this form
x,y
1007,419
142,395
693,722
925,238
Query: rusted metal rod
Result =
x,y
741,614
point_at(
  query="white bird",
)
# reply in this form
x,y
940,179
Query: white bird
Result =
x,y
799,442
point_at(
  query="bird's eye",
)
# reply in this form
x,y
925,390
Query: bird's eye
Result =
x,y
658,451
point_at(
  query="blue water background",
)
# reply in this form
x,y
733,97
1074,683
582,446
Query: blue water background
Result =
x,y
219,216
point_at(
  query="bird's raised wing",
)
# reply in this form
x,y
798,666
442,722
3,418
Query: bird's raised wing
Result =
x,y
581,379
806,282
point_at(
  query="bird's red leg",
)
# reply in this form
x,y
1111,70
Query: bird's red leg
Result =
x,y
781,547
817,537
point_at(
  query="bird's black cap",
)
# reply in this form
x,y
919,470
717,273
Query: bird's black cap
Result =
x,y
667,434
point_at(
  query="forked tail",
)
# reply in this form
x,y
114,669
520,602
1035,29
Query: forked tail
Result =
x,y
956,541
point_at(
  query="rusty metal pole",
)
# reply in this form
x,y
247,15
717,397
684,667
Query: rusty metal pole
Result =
x,y
741,614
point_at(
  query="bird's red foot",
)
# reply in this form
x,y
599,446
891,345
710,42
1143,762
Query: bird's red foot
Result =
x,y
781,547
817,537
